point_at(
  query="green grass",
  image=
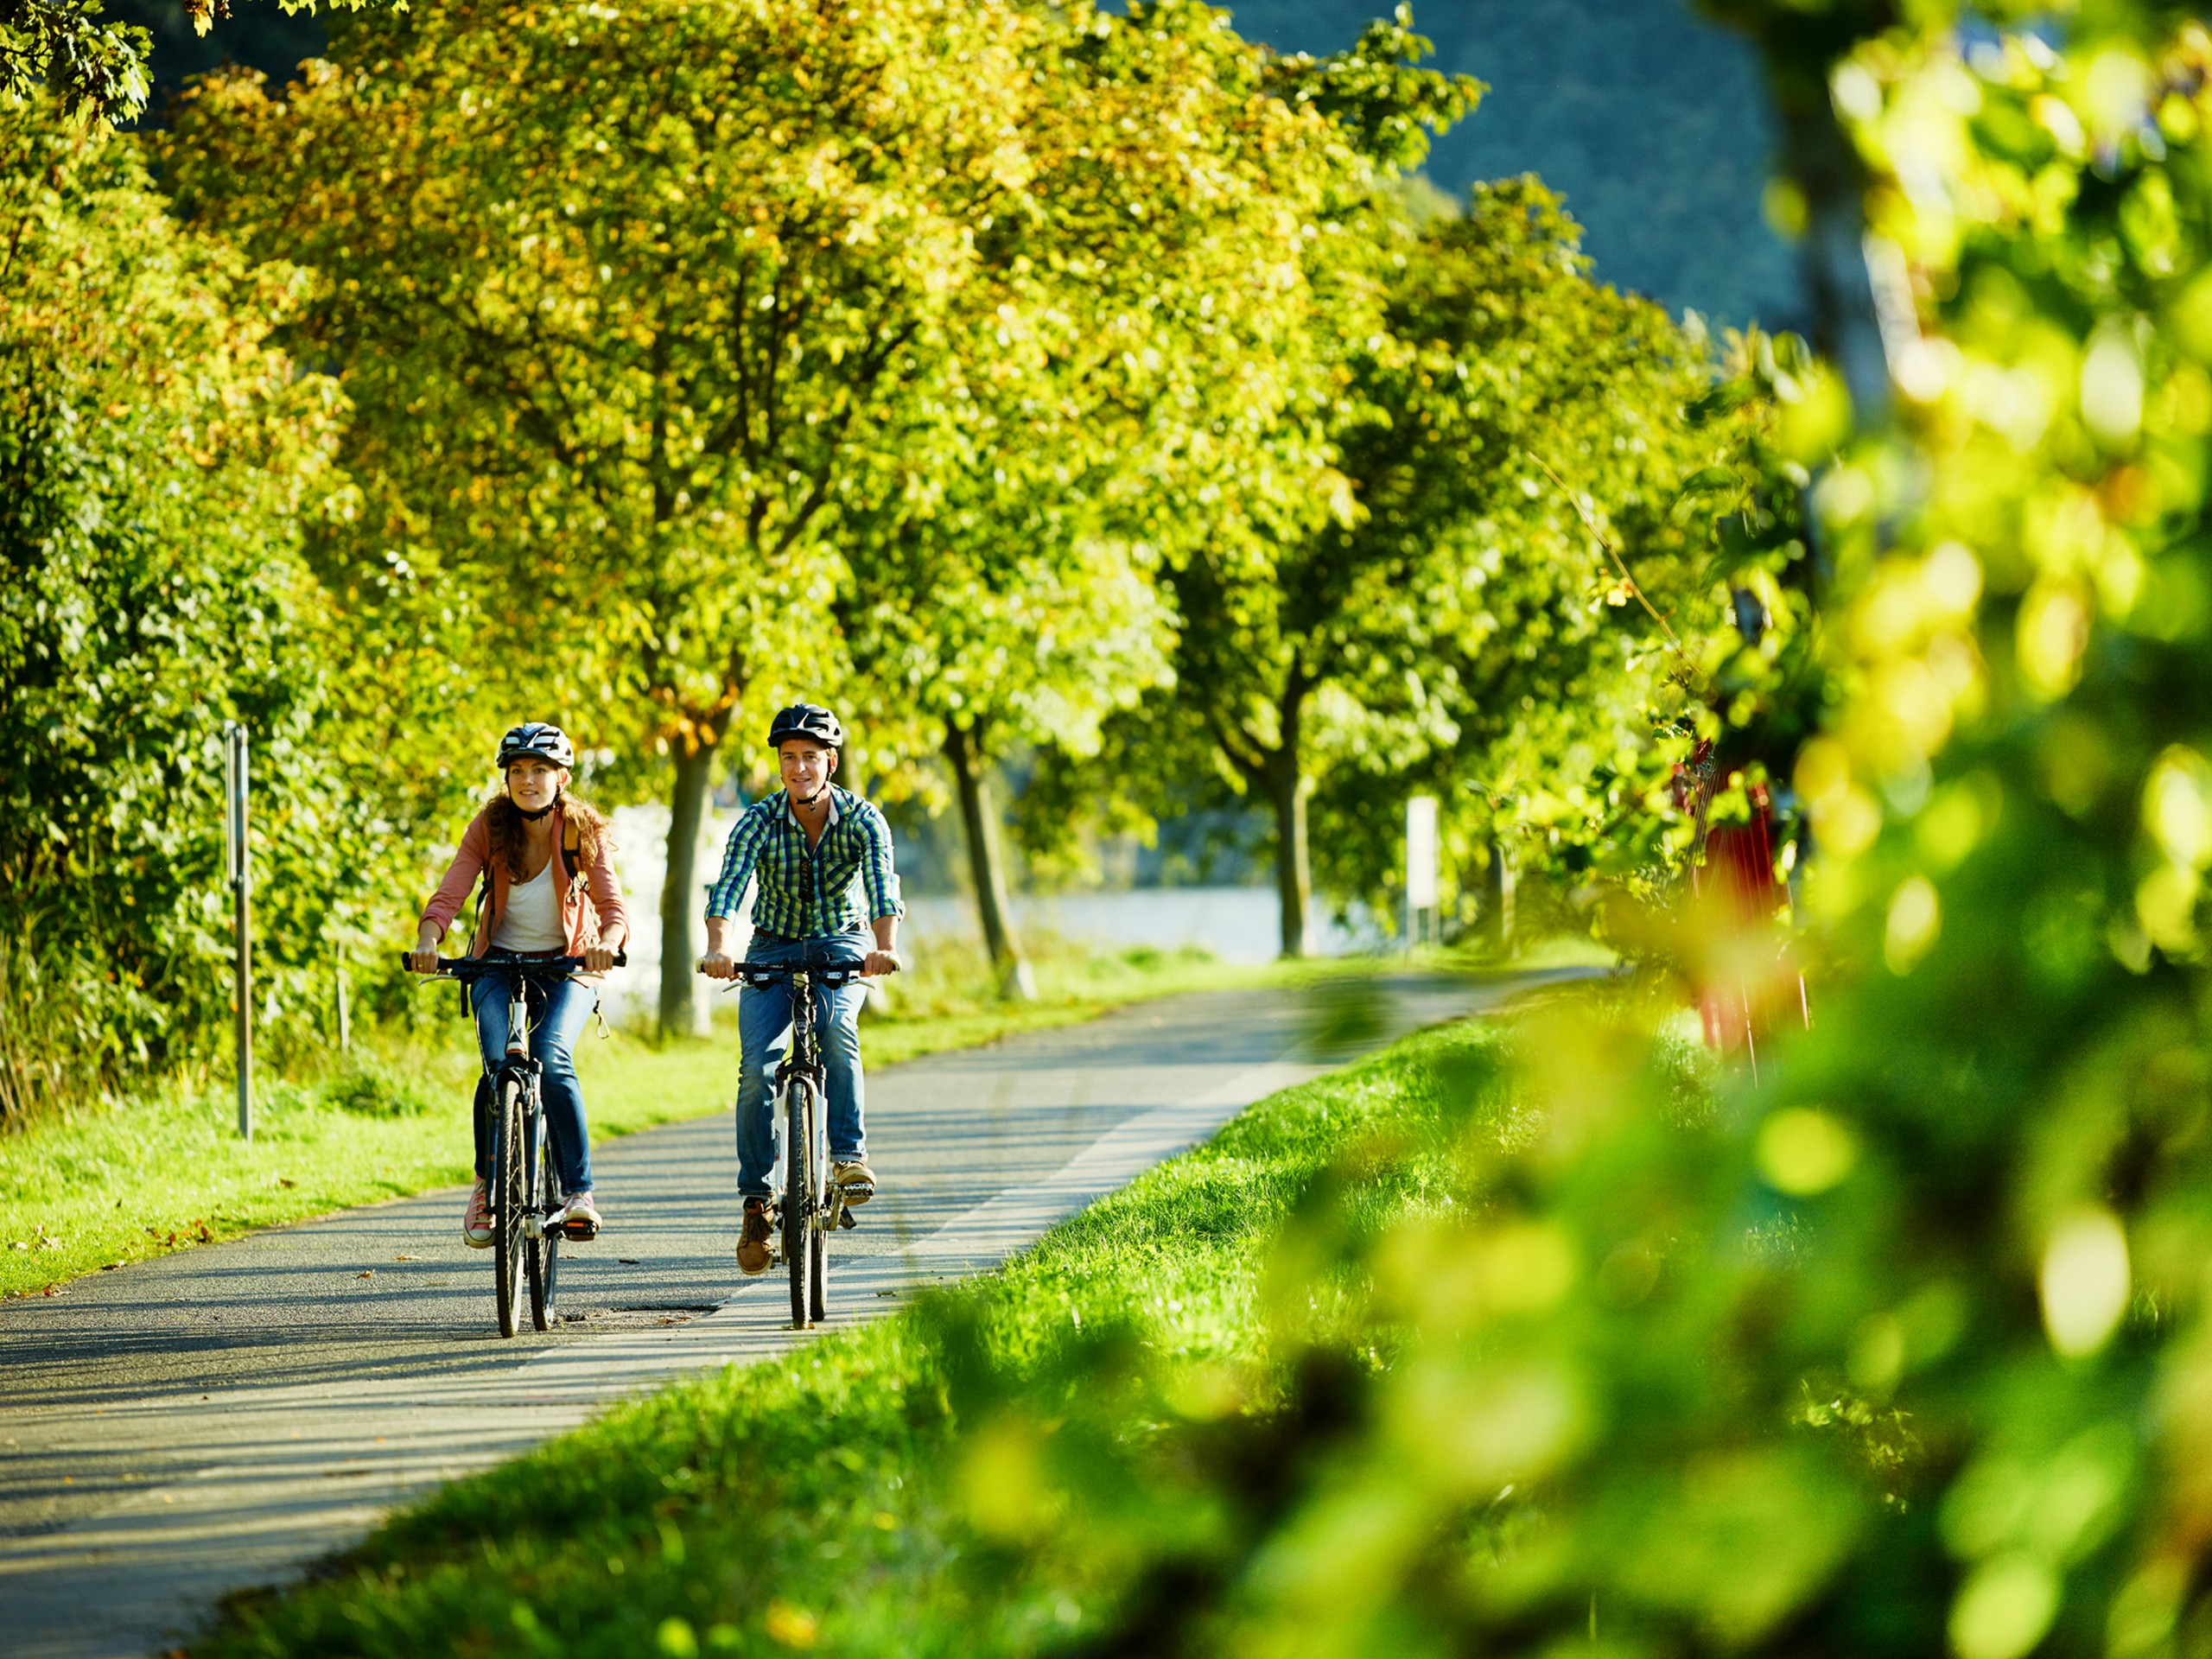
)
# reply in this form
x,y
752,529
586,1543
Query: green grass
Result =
x,y
165,1170
883,1491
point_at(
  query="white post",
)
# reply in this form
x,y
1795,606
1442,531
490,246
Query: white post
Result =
x,y
1421,898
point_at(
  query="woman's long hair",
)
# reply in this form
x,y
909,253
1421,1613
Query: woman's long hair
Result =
x,y
504,818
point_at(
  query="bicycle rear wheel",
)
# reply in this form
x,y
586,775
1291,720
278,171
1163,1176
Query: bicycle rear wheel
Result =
x,y
544,1251
510,1192
799,1187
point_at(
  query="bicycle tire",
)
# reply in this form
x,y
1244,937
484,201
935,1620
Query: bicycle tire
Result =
x,y
510,1188
799,1160
545,1255
817,1275
820,1220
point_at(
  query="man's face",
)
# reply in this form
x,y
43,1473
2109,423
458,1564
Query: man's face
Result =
x,y
807,766
532,783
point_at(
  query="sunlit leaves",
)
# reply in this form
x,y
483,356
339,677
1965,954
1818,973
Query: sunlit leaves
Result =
x,y
159,461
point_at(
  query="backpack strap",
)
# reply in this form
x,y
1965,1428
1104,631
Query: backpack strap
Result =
x,y
483,898
571,844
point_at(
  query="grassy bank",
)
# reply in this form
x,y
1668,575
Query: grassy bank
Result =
x,y
885,1491
166,1170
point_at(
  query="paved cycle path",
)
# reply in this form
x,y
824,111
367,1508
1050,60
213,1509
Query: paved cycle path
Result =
x,y
217,1419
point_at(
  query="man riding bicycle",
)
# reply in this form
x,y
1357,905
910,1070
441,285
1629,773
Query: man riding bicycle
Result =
x,y
549,889
809,844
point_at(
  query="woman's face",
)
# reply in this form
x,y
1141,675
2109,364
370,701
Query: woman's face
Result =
x,y
532,783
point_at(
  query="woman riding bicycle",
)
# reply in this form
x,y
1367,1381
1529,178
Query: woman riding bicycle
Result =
x,y
547,863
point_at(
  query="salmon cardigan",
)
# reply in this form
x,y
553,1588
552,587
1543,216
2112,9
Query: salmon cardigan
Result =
x,y
591,900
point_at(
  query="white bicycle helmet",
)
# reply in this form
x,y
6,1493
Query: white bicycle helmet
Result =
x,y
536,738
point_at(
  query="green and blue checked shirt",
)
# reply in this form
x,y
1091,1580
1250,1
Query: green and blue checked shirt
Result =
x,y
809,895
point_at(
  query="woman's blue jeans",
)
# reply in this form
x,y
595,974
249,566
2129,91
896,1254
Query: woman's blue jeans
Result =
x,y
763,1016
558,1008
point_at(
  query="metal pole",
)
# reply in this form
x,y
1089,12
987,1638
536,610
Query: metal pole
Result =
x,y
241,872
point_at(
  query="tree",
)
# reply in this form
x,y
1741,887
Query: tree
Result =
x,y
1006,617
61,46
95,67
1002,591
619,300
159,461
1444,575
1823,184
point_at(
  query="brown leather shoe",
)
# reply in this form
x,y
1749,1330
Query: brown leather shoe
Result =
x,y
856,1180
756,1242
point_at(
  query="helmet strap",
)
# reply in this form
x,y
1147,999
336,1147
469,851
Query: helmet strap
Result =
x,y
532,818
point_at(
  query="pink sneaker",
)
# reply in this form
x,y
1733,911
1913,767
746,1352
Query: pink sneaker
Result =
x,y
580,1221
476,1226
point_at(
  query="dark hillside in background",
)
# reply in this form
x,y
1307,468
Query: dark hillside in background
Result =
x,y
1652,121
256,32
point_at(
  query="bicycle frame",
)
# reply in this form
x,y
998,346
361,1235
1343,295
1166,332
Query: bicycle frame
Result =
x,y
530,1075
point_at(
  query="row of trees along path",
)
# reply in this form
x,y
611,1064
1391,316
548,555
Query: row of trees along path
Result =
x,y
1100,390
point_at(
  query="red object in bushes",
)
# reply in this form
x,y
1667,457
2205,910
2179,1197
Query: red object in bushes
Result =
x,y
1734,885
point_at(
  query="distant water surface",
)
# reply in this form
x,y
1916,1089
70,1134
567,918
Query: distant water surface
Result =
x,y
1236,924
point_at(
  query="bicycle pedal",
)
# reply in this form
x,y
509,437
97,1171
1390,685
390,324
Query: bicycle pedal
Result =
x,y
847,1219
579,1232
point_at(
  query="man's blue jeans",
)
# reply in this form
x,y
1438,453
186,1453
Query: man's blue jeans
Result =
x,y
556,1022
763,1016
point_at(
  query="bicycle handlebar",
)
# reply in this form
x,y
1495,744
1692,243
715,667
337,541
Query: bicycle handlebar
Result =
x,y
468,967
749,974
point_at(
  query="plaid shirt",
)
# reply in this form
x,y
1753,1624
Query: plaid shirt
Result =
x,y
809,894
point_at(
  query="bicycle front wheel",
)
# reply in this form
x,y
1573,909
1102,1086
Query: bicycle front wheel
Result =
x,y
543,1254
822,1220
798,1193
510,1194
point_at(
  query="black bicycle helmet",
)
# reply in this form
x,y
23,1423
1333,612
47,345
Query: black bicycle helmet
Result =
x,y
535,737
807,720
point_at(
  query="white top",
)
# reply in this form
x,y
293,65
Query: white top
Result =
x,y
532,920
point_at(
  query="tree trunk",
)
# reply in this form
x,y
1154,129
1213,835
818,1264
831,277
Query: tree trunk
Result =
x,y
1800,47
1288,790
679,891
980,822
1846,325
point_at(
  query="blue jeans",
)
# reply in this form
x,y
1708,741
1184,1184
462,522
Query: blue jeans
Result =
x,y
764,1015
559,1009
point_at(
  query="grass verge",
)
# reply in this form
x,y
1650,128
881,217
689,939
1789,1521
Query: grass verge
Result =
x,y
166,1170
883,1491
